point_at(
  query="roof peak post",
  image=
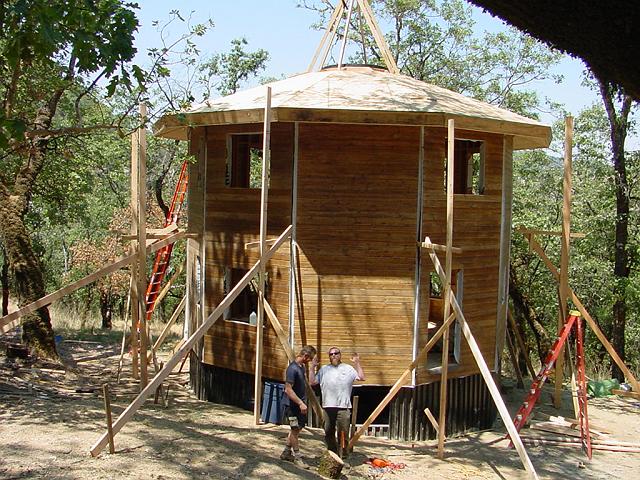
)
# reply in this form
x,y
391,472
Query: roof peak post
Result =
x,y
327,40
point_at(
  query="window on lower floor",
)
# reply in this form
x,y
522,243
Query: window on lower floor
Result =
x,y
244,308
436,319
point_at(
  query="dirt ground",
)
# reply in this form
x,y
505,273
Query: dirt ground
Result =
x,y
51,416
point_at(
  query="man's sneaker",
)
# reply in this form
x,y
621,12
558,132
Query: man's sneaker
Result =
x,y
287,455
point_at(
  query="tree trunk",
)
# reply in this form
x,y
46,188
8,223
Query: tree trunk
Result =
x,y
37,332
4,279
523,310
618,126
106,309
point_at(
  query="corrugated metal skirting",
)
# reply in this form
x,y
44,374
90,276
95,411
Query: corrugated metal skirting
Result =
x,y
469,404
220,385
469,407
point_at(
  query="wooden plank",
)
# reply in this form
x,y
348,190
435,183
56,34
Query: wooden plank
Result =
x,y
624,393
165,331
434,247
141,219
378,36
564,256
107,409
266,156
447,289
521,344
7,322
187,346
506,218
165,290
432,419
585,314
345,33
486,374
331,28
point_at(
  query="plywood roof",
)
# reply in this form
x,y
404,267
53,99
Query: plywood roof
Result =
x,y
358,95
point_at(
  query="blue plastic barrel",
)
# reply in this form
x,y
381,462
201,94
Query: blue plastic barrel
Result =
x,y
272,402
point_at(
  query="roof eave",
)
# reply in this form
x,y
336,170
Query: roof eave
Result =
x,y
526,135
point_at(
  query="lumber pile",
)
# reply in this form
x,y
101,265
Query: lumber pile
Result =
x,y
558,431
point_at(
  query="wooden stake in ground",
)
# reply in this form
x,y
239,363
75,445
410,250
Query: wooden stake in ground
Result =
x,y
107,408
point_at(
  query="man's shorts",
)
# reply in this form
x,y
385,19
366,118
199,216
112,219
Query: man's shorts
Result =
x,y
294,417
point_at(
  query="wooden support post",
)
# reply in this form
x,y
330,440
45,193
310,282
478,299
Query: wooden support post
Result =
x,y
354,418
165,331
564,254
585,314
345,34
432,419
125,324
266,155
332,26
444,369
486,374
188,345
107,409
134,339
142,241
365,8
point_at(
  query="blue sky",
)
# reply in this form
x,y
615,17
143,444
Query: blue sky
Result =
x,y
285,32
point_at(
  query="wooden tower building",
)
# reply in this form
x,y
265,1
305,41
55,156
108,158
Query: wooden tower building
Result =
x,y
357,168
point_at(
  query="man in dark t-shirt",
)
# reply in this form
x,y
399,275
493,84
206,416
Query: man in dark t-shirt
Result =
x,y
294,401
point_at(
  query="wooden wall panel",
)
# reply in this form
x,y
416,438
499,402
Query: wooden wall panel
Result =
x,y
233,219
357,194
356,231
477,232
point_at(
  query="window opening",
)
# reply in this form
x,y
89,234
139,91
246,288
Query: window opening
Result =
x,y
469,161
245,307
436,319
244,160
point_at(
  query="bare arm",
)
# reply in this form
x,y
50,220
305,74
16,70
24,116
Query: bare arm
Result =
x,y
356,364
295,399
312,372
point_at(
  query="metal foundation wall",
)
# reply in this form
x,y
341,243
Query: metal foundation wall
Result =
x,y
469,407
469,404
220,385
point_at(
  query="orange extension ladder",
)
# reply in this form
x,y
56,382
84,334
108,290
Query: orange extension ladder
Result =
x,y
523,413
163,256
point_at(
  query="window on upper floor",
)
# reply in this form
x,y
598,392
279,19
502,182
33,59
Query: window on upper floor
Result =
x,y
244,160
469,167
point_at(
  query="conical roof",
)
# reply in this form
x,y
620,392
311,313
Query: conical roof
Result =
x,y
358,95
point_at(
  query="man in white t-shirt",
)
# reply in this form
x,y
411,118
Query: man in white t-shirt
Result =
x,y
336,381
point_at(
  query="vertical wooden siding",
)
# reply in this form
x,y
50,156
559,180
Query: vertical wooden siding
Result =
x,y
356,225
357,193
233,219
477,232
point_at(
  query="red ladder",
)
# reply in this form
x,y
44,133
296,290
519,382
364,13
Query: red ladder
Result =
x,y
536,387
163,256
